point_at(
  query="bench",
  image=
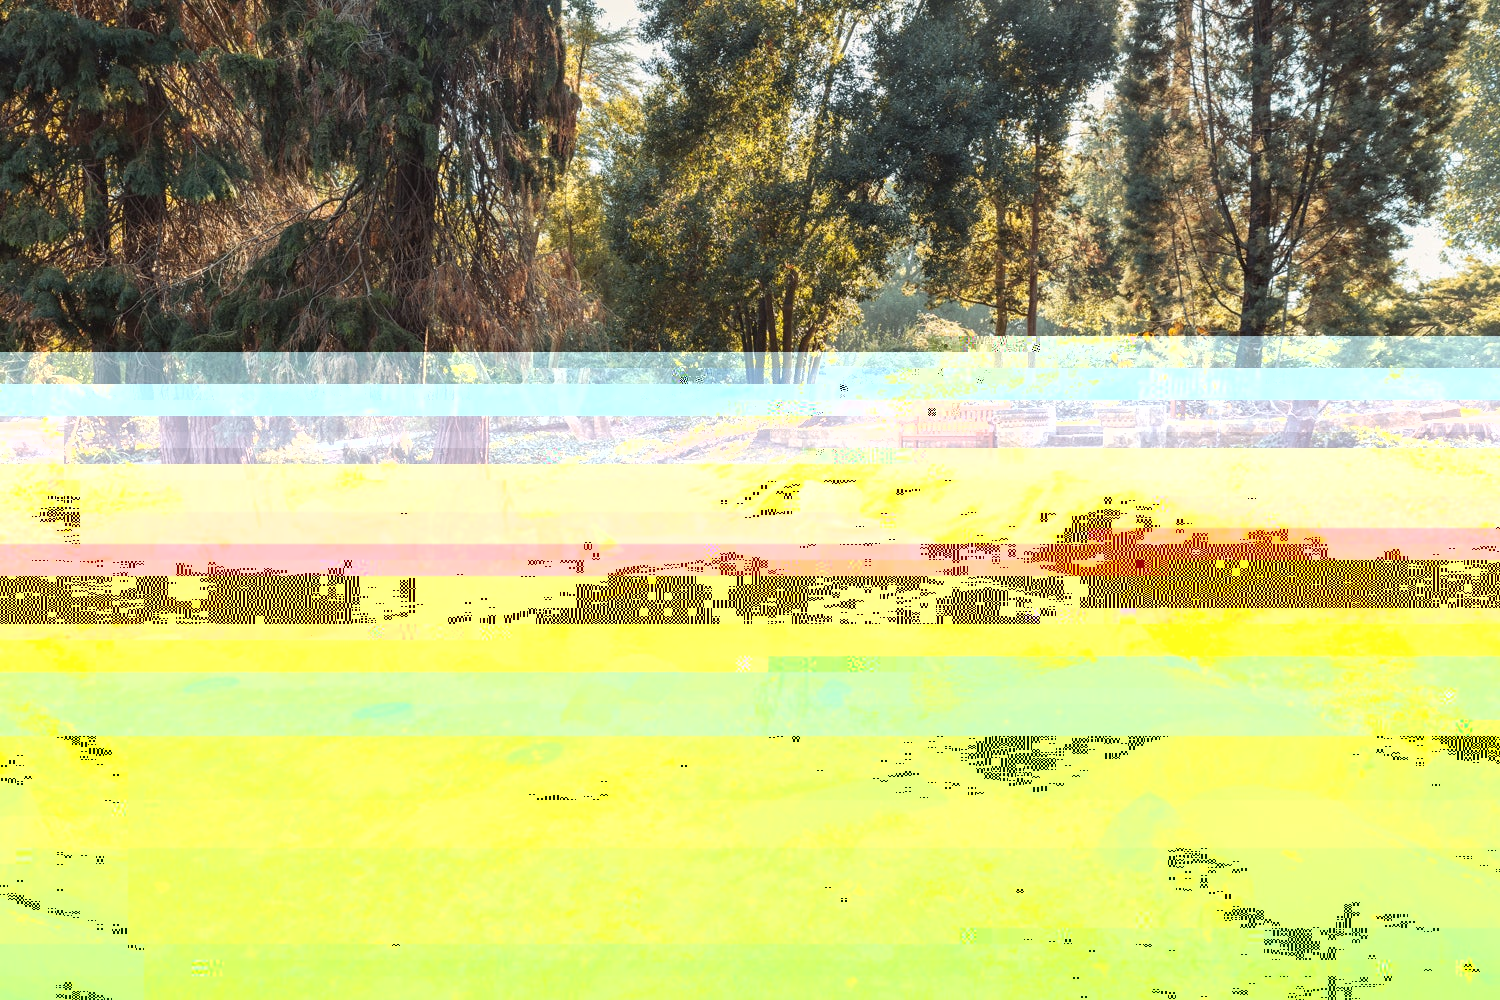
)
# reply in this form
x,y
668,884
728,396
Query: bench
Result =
x,y
948,434
1090,435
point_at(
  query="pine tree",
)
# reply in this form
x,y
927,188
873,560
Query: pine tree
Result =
x,y
1310,133
437,130
125,171
101,141
1144,133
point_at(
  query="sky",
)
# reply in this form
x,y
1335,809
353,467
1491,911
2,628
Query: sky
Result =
x,y
619,12
1426,255
1425,258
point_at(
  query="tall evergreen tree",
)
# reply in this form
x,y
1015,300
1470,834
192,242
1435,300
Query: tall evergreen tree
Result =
x,y
1308,133
1144,136
125,171
102,139
1065,46
438,130
977,101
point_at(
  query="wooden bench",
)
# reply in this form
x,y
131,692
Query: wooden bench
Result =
x,y
1457,429
948,434
1116,416
987,411
1090,435
1024,418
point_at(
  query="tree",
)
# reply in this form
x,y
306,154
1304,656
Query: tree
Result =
x,y
602,70
1144,136
97,139
1065,47
124,169
1472,201
1449,320
430,127
740,212
438,131
1306,135
977,101
1089,266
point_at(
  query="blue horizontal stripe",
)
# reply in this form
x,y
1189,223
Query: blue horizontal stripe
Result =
x,y
828,396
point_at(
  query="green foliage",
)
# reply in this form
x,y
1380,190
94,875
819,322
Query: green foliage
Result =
x,y
97,138
973,110
1454,321
1472,203
1091,265
114,440
300,450
739,213
439,129
1326,141
602,70
430,175
901,318
1143,132
335,87
935,131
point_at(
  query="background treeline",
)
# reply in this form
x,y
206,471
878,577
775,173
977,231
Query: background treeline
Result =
x,y
784,177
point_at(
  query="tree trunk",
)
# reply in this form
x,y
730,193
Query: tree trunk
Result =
x,y
747,355
1249,351
758,335
755,361
413,228
106,367
584,428
1255,299
96,205
462,441
804,359
206,440
176,440
144,212
219,440
192,440
1002,321
146,368
789,343
1033,248
1300,423
768,338
412,224
99,239
143,204
174,434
